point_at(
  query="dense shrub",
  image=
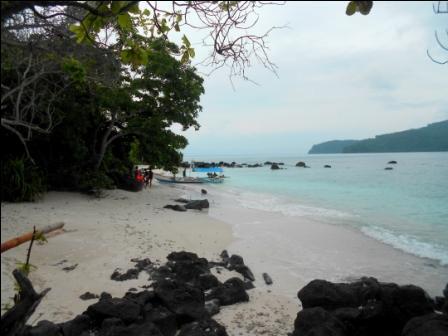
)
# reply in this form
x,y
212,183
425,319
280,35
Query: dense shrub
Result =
x,y
22,181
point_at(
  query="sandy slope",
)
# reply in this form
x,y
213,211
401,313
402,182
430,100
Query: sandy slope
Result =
x,y
103,234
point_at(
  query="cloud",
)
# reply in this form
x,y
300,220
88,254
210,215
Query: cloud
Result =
x,y
339,76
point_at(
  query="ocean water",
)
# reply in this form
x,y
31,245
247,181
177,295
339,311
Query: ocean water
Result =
x,y
406,207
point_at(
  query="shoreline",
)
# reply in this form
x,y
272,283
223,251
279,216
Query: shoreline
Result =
x,y
327,251
103,234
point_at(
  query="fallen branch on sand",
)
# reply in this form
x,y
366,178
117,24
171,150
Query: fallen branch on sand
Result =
x,y
14,320
28,236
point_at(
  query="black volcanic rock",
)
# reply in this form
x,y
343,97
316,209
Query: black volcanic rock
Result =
x,y
186,301
206,327
367,307
427,325
317,322
198,204
230,292
124,309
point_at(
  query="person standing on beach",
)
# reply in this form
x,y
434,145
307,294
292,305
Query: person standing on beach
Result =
x,y
184,173
150,176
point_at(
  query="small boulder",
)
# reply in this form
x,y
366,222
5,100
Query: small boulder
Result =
x,y
388,168
327,166
88,296
235,260
301,164
244,271
267,279
203,192
274,166
392,162
198,204
224,256
131,273
248,285
230,292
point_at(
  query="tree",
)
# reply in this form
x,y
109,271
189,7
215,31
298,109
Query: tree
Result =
x,y
117,30
438,10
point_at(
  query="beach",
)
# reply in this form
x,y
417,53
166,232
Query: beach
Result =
x,y
103,234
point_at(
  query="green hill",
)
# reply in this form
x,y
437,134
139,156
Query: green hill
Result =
x,y
432,138
331,147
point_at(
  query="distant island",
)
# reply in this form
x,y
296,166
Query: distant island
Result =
x,y
432,138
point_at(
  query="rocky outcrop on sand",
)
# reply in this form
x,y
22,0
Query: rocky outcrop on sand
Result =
x,y
183,297
366,308
189,204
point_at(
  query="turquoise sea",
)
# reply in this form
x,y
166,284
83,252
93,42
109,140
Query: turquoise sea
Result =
x,y
406,207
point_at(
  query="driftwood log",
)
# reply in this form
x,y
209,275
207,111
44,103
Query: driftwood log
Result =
x,y
28,236
14,320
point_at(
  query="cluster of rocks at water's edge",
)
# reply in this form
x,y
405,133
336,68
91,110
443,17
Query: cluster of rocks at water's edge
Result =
x,y
184,295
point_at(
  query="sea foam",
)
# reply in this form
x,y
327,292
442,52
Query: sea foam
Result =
x,y
408,244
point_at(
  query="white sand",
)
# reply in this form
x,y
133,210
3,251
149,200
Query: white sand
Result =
x,y
103,234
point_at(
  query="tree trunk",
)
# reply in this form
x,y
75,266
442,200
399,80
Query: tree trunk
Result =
x,y
14,320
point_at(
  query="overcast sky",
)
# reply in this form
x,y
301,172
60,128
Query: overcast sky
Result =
x,y
339,77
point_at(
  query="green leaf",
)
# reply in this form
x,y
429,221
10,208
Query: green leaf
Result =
x,y
364,7
75,28
40,237
186,42
185,57
125,55
125,21
191,52
146,12
351,8
134,9
116,6
176,27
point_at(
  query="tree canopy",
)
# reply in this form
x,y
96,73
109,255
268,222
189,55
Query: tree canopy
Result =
x,y
91,87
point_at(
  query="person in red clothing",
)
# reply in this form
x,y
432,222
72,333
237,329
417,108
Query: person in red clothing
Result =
x,y
138,175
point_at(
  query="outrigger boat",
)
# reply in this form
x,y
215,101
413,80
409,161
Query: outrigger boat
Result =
x,y
164,179
212,176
